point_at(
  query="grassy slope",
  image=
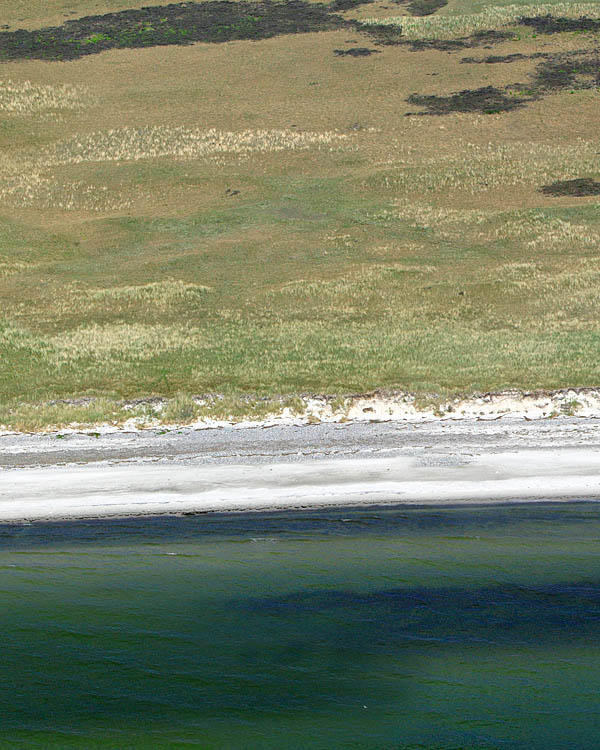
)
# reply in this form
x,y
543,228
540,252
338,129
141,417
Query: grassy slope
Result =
x,y
406,252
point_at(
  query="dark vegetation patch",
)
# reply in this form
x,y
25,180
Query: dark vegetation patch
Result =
x,y
178,23
356,52
550,25
416,7
425,7
223,21
342,5
578,70
183,23
386,36
503,58
392,35
580,187
487,100
573,71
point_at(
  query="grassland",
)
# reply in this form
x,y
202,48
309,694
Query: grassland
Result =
x,y
259,215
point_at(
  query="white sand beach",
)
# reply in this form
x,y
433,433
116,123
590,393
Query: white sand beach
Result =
x,y
194,471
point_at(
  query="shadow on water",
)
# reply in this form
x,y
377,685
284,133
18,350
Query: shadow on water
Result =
x,y
497,614
132,647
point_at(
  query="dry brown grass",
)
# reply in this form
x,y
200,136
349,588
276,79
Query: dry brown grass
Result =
x,y
35,14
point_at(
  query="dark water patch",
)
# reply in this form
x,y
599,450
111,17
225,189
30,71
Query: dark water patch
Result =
x,y
486,100
530,614
356,52
340,522
549,24
177,23
579,187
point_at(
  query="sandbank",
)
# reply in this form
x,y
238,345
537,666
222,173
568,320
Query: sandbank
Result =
x,y
289,467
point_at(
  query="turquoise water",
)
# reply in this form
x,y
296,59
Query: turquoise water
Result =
x,y
421,628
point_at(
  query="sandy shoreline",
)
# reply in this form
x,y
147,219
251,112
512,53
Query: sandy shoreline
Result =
x,y
377,406
285,467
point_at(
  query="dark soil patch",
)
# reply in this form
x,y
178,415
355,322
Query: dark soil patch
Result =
x,y
550,25
487,100
356,52
580,187
178,23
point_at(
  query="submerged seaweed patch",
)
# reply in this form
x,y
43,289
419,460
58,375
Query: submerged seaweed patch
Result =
x,y
482,609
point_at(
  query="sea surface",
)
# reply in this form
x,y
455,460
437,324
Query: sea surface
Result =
x,y
443,628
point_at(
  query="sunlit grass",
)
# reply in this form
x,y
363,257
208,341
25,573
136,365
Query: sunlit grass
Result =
x,y
475,167
27,179
133,144
495,17
25,97
9,266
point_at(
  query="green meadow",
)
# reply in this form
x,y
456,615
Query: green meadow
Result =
x,y
263,200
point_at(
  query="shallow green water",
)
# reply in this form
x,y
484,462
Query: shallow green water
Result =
x,y
424,628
